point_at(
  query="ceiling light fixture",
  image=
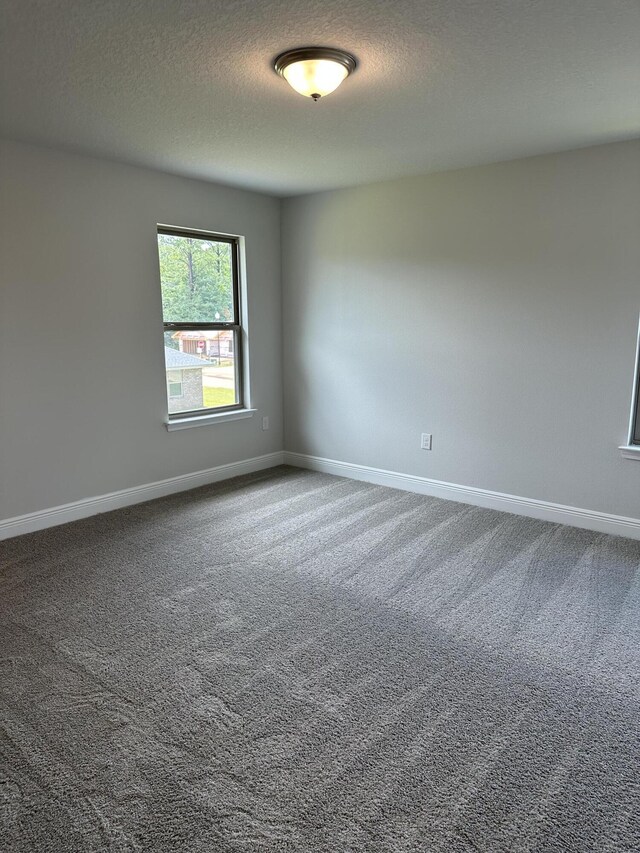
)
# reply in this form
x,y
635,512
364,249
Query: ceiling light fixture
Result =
x,y
314,71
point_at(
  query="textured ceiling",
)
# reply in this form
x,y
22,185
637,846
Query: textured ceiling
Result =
x,y
187,86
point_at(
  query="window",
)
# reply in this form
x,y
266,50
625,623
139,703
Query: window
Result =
x,y
631,450
634,432
201,315
174,383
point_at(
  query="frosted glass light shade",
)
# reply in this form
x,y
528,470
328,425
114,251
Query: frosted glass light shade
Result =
x,y
314,71
314,77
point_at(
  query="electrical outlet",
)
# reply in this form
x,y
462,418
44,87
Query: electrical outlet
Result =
x,y
425,441
265,422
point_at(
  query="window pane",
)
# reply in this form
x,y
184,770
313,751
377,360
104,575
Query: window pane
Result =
x,y
197,279
202,363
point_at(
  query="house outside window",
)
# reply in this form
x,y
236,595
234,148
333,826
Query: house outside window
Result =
x,y
184,385
199,279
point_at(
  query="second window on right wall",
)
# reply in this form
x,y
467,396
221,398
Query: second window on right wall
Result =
x,y
635,422
634,426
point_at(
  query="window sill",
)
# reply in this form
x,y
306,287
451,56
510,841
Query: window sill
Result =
x,y
204,420
630,451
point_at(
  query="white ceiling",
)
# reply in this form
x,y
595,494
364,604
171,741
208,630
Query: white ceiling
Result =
x,y
186,85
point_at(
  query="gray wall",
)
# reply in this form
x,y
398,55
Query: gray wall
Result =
x,y
82,382
495,307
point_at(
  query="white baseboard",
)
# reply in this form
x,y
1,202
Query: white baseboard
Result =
x,y
138,494
602,522
590,519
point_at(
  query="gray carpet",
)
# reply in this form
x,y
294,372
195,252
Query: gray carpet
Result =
x,y
296,662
